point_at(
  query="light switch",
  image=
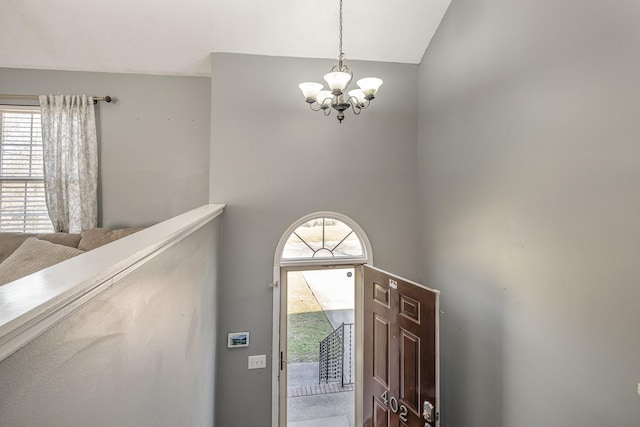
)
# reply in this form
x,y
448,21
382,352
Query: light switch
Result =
x,y
258,362
638,388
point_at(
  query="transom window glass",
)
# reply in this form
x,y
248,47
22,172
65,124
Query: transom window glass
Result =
x,y
23,205
323,238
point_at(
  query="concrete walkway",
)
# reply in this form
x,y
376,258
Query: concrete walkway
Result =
x,y
309,403
318,408
334,290
340,421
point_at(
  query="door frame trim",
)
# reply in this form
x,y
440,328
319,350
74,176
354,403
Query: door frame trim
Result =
x,y
279,266
277,313
358,282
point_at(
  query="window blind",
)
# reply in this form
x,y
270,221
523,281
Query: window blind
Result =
x,y
23,205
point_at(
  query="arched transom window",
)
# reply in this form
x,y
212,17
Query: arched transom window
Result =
x,y
323,238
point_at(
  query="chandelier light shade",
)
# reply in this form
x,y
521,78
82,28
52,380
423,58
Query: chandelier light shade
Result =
x,y
338,80
310,89
369,86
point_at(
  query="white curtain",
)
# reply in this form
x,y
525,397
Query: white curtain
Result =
x,y
70,161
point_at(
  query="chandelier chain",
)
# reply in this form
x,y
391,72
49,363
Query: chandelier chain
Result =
x,y
340,54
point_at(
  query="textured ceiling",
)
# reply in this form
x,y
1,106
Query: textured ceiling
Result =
x,y
175,37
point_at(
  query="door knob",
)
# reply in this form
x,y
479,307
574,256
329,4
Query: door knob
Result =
x,y
427,411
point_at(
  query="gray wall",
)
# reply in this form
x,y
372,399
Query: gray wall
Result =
x,y
529,186
273,161
154,141
140,354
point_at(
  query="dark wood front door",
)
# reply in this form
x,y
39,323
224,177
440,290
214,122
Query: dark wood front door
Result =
x,y
400,352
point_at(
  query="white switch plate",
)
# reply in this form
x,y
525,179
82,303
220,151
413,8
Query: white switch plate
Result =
x,y
258,362
638,388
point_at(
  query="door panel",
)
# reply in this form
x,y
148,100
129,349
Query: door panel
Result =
x,y
400,350
380,347
381,414
409,378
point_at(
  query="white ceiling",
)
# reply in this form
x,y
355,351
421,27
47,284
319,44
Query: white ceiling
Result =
x,y
175,37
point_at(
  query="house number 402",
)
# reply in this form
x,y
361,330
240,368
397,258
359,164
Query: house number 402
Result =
x,y
393,405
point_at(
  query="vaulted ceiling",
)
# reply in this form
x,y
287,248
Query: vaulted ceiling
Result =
x,y
175,37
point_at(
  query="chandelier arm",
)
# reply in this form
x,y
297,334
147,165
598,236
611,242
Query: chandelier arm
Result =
x,y
327,111
321,106
342,68
356,104
355,107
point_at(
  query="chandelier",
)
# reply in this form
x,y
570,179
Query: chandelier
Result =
x,y
338,80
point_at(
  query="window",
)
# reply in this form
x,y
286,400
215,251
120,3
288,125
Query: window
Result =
x,y
23,206
324,238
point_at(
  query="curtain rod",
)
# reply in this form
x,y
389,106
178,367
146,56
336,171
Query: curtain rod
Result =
x,y
95,98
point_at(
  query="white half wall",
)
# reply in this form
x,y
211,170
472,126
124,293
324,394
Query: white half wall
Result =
x,y
142,353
